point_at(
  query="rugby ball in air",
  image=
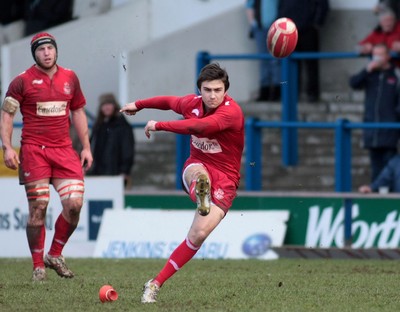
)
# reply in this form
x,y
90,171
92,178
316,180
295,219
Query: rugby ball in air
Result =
x,y
282,37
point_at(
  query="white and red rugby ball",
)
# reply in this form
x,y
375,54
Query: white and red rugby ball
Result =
x,y
282,37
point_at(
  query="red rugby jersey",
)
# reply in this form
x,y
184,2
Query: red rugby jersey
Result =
x,y
217,137
45,105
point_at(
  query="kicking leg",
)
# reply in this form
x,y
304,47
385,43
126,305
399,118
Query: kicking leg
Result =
x,y
201,228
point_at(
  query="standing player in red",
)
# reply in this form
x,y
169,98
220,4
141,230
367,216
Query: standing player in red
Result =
x,y
46,95
212,172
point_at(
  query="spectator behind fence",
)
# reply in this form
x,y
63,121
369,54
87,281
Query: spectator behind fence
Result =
x,y
43,14
381,85
260,15
387,181
309,16
112,141
387,32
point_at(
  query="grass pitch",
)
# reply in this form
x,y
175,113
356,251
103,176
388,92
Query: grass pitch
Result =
x,y
208,285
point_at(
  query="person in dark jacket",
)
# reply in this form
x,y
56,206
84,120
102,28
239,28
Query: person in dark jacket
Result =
x,y
309,16
389,178
381,85
112,141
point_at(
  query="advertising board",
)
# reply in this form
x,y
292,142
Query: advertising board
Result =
x,y
317,222
151,233
100,193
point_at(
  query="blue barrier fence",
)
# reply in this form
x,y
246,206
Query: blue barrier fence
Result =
x,y
343,131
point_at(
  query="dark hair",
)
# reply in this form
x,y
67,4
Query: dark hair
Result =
x,y
107,98
213,72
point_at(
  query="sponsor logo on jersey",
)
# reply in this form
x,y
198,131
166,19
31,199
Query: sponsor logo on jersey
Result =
x,y
227,103
206,145
67,88
51,109
37,81
27,174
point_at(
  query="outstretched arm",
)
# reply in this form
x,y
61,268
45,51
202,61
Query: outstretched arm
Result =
x,y
157,102
203,126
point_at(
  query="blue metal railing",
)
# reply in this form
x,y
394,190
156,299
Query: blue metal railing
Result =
x,y
342,128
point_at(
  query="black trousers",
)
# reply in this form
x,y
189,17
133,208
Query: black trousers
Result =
x,y
379,157
309,42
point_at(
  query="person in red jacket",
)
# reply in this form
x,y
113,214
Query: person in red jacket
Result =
x,y
387,32
211,174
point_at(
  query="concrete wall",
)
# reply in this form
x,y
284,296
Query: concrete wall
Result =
x,y
341,33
